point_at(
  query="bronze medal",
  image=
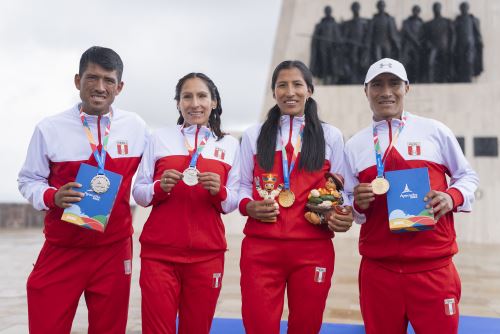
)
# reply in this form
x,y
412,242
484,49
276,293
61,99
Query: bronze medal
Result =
x,y
286,198
380,186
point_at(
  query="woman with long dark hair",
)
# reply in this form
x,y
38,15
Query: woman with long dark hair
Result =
x,y
189,175
287,156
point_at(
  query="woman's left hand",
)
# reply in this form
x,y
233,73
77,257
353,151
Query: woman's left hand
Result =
x,y
340,222
210,181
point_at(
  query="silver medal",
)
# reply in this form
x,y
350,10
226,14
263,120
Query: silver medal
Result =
x,y
100,183
190,176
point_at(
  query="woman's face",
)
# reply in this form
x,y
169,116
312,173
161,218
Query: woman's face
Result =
x,y
195,102
291,92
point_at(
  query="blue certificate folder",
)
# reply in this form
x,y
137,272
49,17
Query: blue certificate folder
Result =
x,y
405,200
93,210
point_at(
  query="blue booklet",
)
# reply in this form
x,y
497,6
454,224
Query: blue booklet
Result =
x,y
93,210
405,200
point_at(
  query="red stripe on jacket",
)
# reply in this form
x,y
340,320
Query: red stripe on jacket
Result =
x,y
119,225
185,225
291,223
407,252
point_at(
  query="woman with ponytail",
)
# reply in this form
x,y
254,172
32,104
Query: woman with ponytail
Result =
x,y
189,174
281,250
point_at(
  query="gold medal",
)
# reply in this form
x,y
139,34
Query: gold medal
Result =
x,y
380,186
286,198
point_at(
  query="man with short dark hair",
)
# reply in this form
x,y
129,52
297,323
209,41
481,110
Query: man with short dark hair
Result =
x,y
75,260
406,276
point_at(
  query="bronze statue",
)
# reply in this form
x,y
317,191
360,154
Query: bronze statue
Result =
x,y
469,46
383,35
356,55
438,51
440,39
325,49
412,33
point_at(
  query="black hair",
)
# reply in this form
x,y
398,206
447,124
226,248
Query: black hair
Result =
x,y
312,155
214,120
104,57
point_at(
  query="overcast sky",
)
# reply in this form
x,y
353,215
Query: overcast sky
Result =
x,y
159,41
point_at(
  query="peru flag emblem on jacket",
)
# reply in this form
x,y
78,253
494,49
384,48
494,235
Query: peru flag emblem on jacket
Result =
x,y
414,149
122,147
219,153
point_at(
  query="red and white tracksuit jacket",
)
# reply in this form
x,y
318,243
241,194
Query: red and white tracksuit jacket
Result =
x,y
58,147
420,256
183,241
74,260
422,143
185,225
290,252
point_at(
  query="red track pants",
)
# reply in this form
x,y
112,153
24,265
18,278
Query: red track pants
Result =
x,y
428,299
269,266
61,275
190,288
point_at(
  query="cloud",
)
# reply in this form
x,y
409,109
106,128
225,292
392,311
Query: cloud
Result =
x,y
399,214
159,41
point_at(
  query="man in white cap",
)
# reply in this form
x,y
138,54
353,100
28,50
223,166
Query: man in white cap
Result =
x,y
406,276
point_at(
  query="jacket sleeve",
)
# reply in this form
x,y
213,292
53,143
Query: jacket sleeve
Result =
x,y
462,177
145,187
351,181
337,160
246,172
230,203
33,178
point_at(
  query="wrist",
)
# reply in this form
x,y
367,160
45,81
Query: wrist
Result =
x,y
49,198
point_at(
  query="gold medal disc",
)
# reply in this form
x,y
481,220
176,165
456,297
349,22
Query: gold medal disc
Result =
x,y
286,198
380,186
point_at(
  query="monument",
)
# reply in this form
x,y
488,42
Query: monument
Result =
x,y
470,109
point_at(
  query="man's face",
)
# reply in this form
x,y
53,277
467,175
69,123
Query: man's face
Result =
x,y
386,93
98,88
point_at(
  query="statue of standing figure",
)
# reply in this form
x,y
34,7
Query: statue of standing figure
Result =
x,y
412,34
356,55
439,36
326,46
383,35
469,46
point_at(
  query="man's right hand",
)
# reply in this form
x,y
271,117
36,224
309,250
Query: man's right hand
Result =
x,y
363,195
66,196
263,210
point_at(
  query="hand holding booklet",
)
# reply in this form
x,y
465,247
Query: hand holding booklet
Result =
x,y
405,200
93,210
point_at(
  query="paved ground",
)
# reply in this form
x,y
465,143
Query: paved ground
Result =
x,y
478,265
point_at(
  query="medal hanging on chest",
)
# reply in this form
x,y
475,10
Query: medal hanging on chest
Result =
x,y
286,198
190,174
99,183
380,185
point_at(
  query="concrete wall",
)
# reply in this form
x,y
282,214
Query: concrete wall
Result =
x,y
470,110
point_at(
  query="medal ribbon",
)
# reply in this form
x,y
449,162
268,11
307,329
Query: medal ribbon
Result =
x,y
284,158
378,150
100,157
194,155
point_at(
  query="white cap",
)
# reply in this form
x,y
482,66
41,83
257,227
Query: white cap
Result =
x,y
386,65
